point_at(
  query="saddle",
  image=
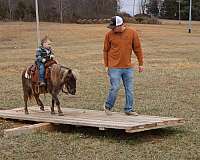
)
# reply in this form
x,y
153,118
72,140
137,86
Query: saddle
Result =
x,y
33,71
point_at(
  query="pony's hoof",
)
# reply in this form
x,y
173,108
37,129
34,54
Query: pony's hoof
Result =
x,y
53,113
61,114
26,112
42,108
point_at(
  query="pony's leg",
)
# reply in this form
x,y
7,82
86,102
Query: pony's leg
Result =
x,y
39,102
52,106
25,102
60,113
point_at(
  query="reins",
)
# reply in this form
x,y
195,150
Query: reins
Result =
x,y
65,67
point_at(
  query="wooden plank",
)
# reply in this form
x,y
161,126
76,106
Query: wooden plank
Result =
x,y
93,118
107,120
71,116
99,115
71,121
111,123
27,129
108,123
102,128
145,128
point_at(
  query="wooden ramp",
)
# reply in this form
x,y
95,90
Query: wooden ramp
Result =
x,y
93,118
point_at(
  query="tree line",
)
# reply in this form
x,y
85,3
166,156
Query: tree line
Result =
x,y
57,10
72,10
169,9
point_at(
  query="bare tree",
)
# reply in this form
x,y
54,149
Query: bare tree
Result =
x,y
142,6
61,10
10,9
57,10
133,7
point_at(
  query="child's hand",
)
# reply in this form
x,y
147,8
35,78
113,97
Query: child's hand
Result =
x,y
43,60
52,56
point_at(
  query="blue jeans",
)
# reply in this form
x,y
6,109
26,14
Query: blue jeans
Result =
x,y
41,71
115,75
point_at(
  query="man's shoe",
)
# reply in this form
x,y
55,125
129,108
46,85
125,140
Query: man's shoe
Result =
x,y
42,84
107,111
133,113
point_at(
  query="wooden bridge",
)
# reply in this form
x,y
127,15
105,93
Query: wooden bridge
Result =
x,y
93,118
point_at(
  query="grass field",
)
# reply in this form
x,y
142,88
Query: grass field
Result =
x,y
170,86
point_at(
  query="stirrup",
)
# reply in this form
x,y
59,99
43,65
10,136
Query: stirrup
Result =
x,y
42,84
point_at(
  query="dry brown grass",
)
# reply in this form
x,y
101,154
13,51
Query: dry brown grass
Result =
x,y
168,87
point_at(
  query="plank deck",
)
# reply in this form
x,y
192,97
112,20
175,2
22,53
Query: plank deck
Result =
x,y
93,118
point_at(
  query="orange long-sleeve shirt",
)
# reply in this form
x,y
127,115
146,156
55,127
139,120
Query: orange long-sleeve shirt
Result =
x,y
118,49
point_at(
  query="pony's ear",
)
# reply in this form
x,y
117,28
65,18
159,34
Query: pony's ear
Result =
x,y
75,72
69,71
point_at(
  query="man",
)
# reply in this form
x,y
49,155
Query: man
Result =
x,y
118,46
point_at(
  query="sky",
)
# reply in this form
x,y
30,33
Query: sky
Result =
x,y
127,6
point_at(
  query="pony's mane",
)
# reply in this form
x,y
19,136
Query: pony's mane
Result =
x,y
75,72
58,74
55,74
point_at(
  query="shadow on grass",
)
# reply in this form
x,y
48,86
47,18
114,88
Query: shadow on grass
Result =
x,y
155,135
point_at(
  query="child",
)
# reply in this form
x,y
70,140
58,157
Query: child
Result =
x,y
43,54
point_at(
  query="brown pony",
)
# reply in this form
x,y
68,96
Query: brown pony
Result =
x,y
60,77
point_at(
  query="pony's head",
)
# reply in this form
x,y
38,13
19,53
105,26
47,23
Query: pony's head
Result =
x,y
64,77
70,82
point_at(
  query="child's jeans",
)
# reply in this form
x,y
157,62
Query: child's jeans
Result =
x,y
41,71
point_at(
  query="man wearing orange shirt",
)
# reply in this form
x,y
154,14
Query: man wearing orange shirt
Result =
x,y
119,43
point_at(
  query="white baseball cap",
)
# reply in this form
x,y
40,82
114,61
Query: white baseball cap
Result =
x,y
115,21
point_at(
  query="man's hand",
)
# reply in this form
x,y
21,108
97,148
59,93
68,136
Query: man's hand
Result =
x,y
106,69
141,69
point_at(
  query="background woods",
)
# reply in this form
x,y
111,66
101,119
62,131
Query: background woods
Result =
x,y
72,10
59,10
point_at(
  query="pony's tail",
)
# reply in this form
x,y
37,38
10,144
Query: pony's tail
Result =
x,y
27,86
55,74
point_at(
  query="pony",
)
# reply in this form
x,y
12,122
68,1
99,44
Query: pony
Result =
x,y
60,79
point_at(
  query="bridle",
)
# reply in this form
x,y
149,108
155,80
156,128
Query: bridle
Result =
x,y
64,89
66,92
